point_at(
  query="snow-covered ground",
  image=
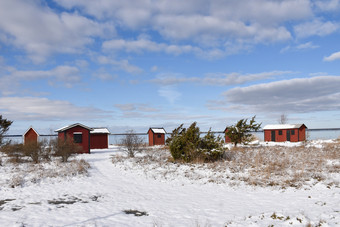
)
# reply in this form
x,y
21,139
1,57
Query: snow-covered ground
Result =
x,y
101,198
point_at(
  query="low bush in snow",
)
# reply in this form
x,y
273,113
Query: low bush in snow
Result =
x,y
15,175
37,151
14,151
43,150
31,162
65,148
132,143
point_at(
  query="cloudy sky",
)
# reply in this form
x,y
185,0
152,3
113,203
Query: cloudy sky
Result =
x,y
141,63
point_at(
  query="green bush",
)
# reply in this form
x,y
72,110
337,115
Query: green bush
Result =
x,y
188,146
241,131
4,127
211,147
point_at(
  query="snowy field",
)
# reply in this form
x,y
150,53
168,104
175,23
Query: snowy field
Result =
x,y
134,192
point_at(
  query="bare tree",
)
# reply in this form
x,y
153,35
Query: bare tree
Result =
x,y
283,119
132,143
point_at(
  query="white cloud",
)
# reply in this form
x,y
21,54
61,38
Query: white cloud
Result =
x,y
237,78
300,95
41,32
104,76
33,108
128,107
332,57
219,79
121,64
154,68
308,45
315,27
65,75
210,28
169,93
209,24
141,45
299,47
328,5
205,22
166,80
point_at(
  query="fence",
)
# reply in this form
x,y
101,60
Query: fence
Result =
x,y
114,138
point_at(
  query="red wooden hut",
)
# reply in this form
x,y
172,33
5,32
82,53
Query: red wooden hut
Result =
x,y
99,138
285,132
156,136
227,139
80,134
31,136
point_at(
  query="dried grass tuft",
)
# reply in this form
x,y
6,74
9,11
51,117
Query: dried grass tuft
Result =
x,y
29,173
276,166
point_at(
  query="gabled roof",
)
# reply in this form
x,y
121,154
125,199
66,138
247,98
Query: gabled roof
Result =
x,y
32,129
283,126
157,130
100,131
72,126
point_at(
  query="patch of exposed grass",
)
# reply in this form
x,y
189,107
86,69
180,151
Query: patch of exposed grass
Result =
x,y
275,166
136,212
19,175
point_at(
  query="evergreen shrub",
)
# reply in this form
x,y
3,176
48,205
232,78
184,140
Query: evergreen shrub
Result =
x,y
187,145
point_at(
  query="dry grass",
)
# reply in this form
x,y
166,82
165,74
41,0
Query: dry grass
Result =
x,y
28,173
283,166
259,166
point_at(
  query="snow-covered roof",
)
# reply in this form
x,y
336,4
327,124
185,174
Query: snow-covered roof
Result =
x,y
71,126
282,126
100,130
32,129
158,130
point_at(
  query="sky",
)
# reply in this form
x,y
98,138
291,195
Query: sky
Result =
x,y
136,64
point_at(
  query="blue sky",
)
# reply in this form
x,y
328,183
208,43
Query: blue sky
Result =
x,y
138,63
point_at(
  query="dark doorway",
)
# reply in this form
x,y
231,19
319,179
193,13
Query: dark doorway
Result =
x,y
288,135
273,135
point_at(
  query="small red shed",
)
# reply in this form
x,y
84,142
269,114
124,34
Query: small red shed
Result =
x,y
156,136
80,134
30,136
227,139
99,138
285,132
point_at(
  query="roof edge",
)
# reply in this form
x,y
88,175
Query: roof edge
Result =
x,y
71,126
31,127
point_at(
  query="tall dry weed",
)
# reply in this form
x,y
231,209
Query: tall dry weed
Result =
x,y
259,166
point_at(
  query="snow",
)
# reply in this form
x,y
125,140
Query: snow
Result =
x,y
158,130
100,130
281,126
71,126
101,198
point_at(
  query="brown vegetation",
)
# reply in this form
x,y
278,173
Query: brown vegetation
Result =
x,y
258,166
32,162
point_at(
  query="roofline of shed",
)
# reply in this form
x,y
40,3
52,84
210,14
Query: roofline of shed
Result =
x,y
156,128
29,129
296,126
72,126
94,128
